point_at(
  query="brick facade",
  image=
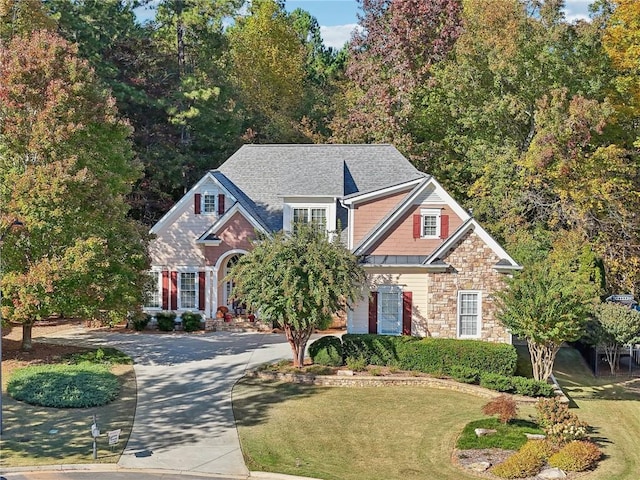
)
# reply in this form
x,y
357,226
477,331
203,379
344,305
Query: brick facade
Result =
x,y
472,264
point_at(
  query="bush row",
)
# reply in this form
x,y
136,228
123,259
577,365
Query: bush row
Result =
x,y
439,356
490,365
167,321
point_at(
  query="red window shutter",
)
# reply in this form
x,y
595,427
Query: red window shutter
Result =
x,y
444,226
220,204
174,291
407,304
165,290
201,283
373,312
196,203
417,226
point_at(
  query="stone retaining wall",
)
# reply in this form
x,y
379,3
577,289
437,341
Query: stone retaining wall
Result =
x,y
373,381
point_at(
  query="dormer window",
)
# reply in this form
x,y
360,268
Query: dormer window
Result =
x,y
313,216
209,203
430,223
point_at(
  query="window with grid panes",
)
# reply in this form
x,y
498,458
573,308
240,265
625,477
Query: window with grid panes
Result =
x,y
469,314
188,290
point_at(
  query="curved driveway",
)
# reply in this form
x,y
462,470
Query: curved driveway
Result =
x,y
184,420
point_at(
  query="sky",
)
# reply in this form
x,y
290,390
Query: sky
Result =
x,y
338,18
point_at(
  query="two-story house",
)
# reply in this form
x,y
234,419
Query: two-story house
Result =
x,y
432,267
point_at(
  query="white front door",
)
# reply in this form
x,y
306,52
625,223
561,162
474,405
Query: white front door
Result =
x,y
389,310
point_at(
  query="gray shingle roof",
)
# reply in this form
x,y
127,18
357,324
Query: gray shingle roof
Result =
x,y
263,174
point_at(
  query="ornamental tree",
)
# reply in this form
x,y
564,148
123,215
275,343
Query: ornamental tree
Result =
x,y
299,281
66,167
546,310
614,325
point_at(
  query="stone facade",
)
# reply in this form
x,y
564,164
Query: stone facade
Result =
x,y
472,264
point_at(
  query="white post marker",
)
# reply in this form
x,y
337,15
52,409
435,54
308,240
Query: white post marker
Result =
x,y
95,433
114,436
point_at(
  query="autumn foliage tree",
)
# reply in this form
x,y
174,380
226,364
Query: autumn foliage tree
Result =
x,y
298,281
66,166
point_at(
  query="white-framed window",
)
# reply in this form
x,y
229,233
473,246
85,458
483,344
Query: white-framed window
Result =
x,y
153,290
310,215
209,202
389,310
469,313
188,289
430,226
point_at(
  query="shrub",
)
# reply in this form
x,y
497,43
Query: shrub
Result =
x,y
166,321
317,369
531,387
543,449
567,431
191,321
576,456
326,351
497,382
503,406
64,386
551,411
521,464
375,349
439,355
464,374
139,322
357,364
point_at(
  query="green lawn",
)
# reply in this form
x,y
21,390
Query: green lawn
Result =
x,y
409,432
612,406
352,433
34,435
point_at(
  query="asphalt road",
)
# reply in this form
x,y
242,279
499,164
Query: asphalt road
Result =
x,y
89,475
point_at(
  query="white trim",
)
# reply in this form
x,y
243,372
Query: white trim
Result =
x,y
429,268
188,197
158,272
209,193
409,201
478,313
383,192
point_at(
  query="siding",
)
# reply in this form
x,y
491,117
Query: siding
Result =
x,y
236,234
175,244
399,239
367,215
411,280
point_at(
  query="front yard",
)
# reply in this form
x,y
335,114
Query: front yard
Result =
x,y
407,432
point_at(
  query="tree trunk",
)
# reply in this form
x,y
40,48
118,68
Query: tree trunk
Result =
x,y
611,352
298,341
27,328
543,357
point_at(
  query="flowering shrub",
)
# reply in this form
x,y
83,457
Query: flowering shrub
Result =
x,y
552,411
567,431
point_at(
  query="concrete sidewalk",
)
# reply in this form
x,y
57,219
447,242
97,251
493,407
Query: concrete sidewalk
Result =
x,y
184,419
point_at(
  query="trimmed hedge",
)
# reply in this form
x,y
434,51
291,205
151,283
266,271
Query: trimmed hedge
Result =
x,y
326,351
439,355
374,349
521,464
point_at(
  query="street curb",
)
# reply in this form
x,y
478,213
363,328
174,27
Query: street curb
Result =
x,y
112,467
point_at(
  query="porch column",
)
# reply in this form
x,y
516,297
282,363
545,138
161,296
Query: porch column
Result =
x,y
213,291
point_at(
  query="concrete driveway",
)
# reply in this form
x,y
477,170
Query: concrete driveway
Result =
x,y
184,420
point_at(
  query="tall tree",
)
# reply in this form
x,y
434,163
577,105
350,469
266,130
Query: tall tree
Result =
x,y
268,66
390,56
298,281
66,166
